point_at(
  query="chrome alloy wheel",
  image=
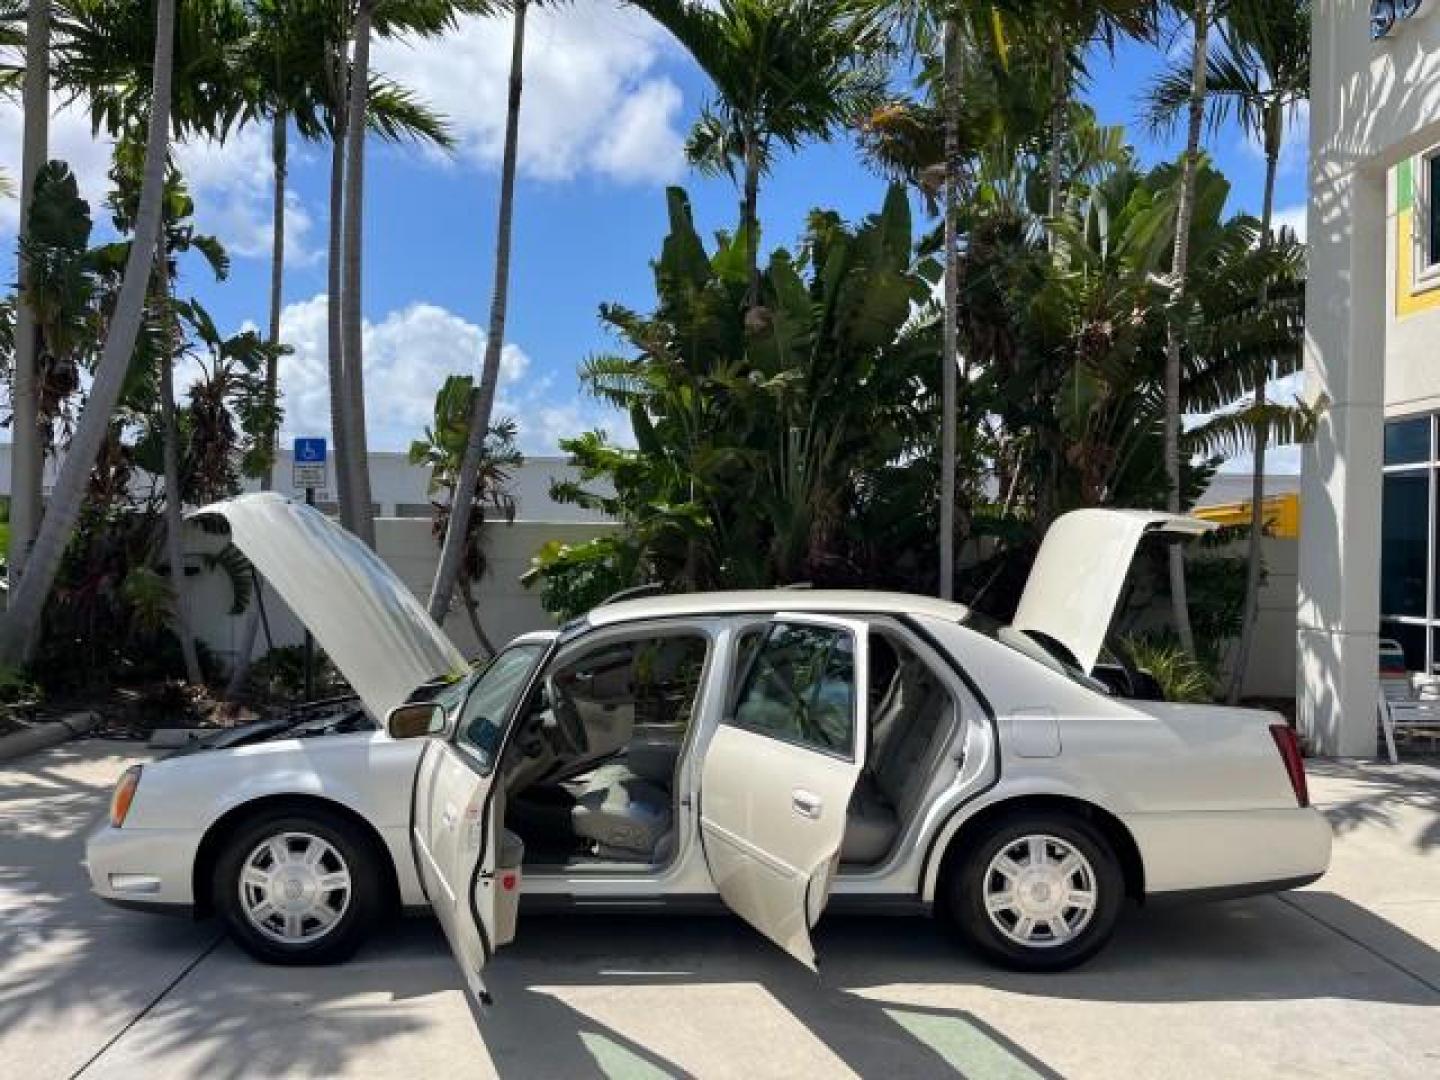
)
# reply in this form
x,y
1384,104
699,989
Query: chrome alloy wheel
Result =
x,y
294,887
1040,891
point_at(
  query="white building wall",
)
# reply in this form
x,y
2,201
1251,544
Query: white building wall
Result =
x,y
1412,340
507,608
1372,105
402,489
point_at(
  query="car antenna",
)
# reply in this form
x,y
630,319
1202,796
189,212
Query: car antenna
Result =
x,y
629,594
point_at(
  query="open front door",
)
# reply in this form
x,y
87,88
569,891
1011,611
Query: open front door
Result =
x,y
456,837
779,773
468,863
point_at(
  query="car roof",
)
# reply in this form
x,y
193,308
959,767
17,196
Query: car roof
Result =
x,y
769,601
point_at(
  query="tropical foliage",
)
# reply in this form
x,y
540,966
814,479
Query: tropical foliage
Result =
x,y
766,455
903,401
442,450
803,448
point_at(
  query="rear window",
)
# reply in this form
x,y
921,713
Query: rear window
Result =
x,y
1036,648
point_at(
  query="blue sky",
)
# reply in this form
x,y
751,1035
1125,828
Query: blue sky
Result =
x,y
607,102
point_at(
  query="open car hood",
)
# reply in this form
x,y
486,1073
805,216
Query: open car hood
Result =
x,y
1078,576
365,618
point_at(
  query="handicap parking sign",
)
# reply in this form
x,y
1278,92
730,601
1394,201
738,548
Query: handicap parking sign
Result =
x,y
309,464
310,451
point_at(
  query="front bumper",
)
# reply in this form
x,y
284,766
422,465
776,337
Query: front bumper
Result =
x,y
142,868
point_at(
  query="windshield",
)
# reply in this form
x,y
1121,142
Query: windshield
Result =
x,y
1036,648
489,697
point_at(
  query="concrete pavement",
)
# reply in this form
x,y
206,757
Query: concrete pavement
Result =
x,y
1342,979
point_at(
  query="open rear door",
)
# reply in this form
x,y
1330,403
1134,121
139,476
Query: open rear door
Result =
x,y
779,773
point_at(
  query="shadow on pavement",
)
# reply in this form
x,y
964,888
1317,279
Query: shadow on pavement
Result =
x,y
1242,951
1379,795
570,994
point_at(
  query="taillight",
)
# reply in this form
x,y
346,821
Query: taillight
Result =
x,y
1288,743
124,795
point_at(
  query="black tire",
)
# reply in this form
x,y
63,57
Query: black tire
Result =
x,y
358,912
966,893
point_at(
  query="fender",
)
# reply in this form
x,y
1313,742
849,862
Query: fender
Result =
x,y
1016,788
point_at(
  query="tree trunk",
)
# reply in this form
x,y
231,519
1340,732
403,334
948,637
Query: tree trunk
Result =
x,y
472,612
27,461
950,352
335,337
170,456
17,630
279,156
750,217
351,293
1059,129
1254,556
483,400
1180,269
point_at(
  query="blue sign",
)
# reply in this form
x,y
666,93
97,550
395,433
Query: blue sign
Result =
x,y
1386,15
310,451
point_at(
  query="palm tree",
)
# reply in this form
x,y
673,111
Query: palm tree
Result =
x,y
1200,13
27,460
292,58
457,527
357,462
26,602
1072,23
443,450
1262,78
784,71
971,34
386,18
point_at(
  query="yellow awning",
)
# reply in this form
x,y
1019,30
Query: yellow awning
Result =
x,y
1282,515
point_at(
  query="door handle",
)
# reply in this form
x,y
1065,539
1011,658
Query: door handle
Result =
x,y
447,817
805,803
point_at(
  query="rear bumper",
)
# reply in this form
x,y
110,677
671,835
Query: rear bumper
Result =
x,y
1233,852
149,869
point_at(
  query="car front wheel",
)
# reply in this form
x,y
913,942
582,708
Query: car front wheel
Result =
x,y
298,889
1038,892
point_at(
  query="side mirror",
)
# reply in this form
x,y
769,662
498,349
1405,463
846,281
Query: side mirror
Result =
x,y
415,721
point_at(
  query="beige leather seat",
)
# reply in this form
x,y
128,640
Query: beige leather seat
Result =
x,y
903,731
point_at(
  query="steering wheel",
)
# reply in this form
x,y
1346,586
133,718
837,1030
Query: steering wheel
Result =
x,y
568,722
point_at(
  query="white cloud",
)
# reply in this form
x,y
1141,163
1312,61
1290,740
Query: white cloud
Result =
x,y
231,184
408,355
593,100
70,141
1295,218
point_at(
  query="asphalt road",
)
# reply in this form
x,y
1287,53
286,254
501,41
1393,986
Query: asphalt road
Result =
x,y
1342,979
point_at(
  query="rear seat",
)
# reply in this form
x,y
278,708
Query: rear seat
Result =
x,y
902,733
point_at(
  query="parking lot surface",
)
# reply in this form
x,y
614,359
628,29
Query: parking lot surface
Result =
x,y
1341,979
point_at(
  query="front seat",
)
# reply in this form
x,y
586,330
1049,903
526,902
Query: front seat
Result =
x,y
624,815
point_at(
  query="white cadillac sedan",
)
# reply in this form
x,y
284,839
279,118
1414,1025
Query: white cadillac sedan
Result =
x,y
777,753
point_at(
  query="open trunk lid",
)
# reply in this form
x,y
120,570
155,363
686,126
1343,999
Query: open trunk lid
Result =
x,y
1075,584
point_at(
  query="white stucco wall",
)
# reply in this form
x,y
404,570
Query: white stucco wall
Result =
x,y
1372,104
396,484
507,608
1412,341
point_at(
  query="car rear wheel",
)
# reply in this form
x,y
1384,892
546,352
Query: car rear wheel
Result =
x,y
299,888
1037,892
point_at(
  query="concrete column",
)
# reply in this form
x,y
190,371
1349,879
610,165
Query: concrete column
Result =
x,y
1339,571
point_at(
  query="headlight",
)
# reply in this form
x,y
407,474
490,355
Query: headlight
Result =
x,y
124,795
